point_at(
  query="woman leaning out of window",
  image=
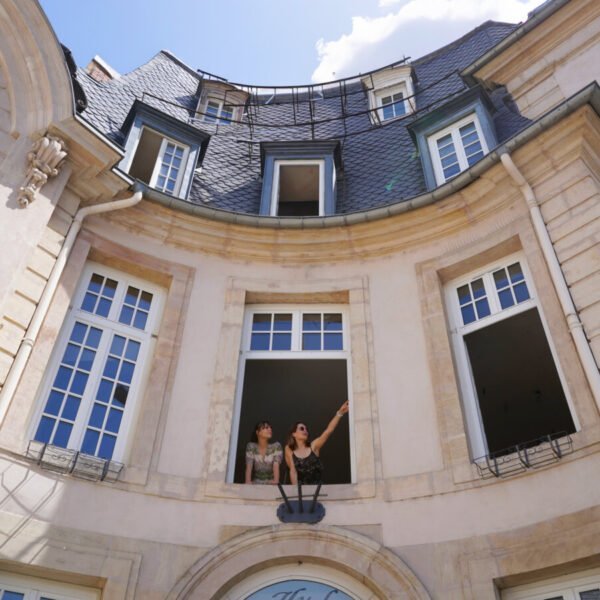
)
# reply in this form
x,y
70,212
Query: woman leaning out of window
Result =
x,y
262,458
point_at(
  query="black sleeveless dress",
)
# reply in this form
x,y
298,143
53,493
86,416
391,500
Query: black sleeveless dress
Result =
x,y
309,469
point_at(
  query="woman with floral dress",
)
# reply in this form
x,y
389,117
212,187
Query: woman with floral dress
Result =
x,y
262,458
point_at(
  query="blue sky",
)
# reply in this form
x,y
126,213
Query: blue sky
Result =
x,y
265,42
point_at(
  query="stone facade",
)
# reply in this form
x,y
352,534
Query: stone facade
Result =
x,y
417,521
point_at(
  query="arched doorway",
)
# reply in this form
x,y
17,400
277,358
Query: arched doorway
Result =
x,y
342,561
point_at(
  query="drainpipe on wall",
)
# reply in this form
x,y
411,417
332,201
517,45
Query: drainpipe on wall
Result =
x,y
562,289
22,356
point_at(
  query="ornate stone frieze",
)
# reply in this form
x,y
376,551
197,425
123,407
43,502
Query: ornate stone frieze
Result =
x,y
46,158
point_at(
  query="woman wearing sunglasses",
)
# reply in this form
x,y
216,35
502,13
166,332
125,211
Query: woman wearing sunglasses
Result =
x,y
302,455
263,459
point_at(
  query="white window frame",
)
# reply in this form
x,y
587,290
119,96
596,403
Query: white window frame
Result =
x,y
34,588
296,353
278,163
380,94
159,162
159,158
146,337
218,119
472,413
453,130
568,586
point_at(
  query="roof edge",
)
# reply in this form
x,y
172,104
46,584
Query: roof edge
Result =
x,y
537,16
588,95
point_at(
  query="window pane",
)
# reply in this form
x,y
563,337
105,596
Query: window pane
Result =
x,y
311,322
261,322
501,279
95,284
333,341
86,360
133,349
121,393
506,299
93,338
140,320
44,430
62,434
468,314
311,341
114,420
521,292
78,332
516,273
126,315
464,294
478,288
71,408
105,390
107,446
282,341
332,322
590,594
97,416
89,302
90,442
283,322
117,345
483,308
54,403
259,341
8,595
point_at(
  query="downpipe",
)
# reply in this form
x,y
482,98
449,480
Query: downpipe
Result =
x,y
35,325
560,285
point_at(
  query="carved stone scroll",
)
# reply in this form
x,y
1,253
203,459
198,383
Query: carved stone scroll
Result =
x,y
46,158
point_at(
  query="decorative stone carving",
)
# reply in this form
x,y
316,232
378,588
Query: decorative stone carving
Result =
x,y
46,158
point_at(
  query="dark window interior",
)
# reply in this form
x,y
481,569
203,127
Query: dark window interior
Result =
x,y
286,391
298,190
520,395
146,154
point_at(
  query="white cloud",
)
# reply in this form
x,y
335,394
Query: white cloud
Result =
x,y
348,54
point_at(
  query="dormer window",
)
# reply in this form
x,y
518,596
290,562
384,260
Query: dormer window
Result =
x,y
456,148
390,93
299,178
218,111
158,161
454,136
220,103
297,188
161,151
392,105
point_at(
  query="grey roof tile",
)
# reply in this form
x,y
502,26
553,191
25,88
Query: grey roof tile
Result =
x,y
380,163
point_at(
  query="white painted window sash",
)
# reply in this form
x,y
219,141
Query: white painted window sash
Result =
x,y
458,331
297,162
454,131
295,354
109,326
159,162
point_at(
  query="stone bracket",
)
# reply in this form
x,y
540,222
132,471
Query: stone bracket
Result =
x,y
46,159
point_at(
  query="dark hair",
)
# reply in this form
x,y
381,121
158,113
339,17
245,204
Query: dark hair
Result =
x,y
291,440
259,425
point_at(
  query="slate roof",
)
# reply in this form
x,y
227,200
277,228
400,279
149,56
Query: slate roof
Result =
x,y
380,162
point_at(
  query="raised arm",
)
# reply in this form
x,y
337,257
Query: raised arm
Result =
x,y
289,460
318,443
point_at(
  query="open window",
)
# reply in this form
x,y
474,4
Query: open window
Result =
x,y
90,394
159,161
298,188
162,151
511,384
299,178
294,367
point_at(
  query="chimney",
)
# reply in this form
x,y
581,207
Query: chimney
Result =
x,y
100,70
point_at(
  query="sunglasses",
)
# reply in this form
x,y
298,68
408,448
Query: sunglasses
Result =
x,y
301,428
